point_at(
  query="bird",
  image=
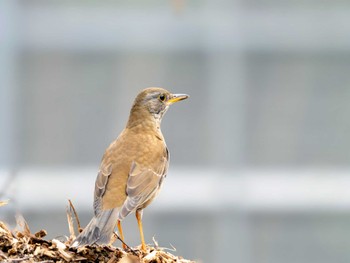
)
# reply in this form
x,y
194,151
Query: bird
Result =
x,y
132,169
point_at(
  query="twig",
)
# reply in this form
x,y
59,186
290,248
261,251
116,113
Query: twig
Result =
x,y
70,223
133,251
22,225
156,246
75,215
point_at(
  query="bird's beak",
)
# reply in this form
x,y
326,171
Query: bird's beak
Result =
x,y
177,97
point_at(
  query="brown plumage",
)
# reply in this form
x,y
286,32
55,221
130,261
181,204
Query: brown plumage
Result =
x,y
132,168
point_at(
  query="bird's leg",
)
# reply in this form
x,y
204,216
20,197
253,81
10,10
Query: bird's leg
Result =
x,y
138,214
120,230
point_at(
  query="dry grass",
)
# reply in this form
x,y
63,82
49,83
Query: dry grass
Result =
x,y
23,246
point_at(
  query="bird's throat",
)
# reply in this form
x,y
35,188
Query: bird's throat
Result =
x,y
144,120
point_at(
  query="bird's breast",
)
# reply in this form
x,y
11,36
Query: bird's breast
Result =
x,y
146,149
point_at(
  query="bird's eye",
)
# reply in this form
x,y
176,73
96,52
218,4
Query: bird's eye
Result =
x,y
162,97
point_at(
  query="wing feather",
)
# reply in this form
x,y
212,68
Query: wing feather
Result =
x,y
143,185
100,187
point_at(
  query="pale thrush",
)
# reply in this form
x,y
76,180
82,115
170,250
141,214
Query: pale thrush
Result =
x,y
132,168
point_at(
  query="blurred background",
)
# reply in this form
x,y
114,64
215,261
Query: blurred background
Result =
x,y
259,153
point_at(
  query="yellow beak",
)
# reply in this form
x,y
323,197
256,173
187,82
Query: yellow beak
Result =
x,y
177,97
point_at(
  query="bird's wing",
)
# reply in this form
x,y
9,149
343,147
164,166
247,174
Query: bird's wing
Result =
x,y
143,184
100,187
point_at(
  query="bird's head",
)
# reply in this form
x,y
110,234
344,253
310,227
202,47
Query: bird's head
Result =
x,y
153,102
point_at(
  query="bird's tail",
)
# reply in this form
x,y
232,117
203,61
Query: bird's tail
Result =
x,y
99,230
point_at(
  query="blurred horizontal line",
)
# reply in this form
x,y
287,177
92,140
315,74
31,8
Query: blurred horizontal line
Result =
x,y
111,28
193,190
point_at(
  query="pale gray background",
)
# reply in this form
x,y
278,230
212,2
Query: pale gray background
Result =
x,y
260,152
